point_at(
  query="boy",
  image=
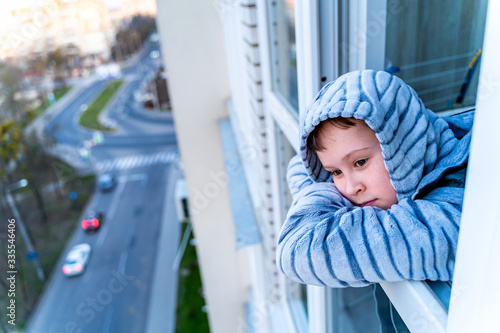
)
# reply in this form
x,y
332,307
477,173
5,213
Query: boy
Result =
x,y
393,210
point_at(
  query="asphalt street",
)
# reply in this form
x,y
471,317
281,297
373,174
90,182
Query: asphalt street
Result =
x,y
114,293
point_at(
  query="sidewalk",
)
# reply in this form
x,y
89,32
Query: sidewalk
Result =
x,y
78,86
64,152
163,300
137,106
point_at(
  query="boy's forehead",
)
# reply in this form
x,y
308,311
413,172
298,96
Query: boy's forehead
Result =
x,y
330,130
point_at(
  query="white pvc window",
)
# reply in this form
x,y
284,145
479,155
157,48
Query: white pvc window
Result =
x,y
475,291
295,293
360,38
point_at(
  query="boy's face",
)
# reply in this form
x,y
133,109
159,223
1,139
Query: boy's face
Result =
x,y
354,157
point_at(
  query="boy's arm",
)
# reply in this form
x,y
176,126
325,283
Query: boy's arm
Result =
x,y
302,186
296,176
327,241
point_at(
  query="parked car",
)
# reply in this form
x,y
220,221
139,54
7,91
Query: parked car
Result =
x,y
76,260
92,222
106,182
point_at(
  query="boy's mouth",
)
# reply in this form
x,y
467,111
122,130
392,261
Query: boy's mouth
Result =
x,y
368,203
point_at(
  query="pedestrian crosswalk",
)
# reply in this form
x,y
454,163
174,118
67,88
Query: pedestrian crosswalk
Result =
x,y
136,161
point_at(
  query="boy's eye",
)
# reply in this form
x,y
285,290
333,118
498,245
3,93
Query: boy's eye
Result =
x,y
360,163
336,173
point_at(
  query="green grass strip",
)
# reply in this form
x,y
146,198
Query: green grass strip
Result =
x,y
90,118
58,94
190,317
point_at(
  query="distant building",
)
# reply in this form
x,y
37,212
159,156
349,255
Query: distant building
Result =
x,y
130,8
55,24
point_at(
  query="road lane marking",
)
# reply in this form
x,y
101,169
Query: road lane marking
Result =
x,y
108,319
118,193
135,176
111,212
113,164
135,163
122,263
157,158
128,162
131,162
86,276
121,163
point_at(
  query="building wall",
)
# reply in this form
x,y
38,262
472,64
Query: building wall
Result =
x,y
193,51
54,24
129,8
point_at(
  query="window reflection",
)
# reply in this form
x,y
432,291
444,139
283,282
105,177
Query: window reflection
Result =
x,y
283,53
363,310
431,46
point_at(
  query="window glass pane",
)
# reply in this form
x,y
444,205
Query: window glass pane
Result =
x,y
363,310
431,46
297,300
296,293
286,152
283,54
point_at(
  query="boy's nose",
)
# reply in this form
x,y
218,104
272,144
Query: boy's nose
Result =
x,y
354,186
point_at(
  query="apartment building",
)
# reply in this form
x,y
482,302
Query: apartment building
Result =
x,y
130,8
240,74
43,26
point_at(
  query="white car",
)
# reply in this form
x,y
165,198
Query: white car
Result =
x,y
76,260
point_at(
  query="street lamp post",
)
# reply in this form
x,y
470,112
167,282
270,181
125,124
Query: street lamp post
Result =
x,y
22,229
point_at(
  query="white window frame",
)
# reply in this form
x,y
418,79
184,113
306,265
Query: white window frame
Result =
x,y
330,39
278,115
415,302
276,184
309,83
475,291
366,35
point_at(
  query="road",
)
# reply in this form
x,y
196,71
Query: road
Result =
x,y
113,294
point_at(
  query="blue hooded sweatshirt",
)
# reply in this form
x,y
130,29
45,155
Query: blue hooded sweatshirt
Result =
x,y
327,241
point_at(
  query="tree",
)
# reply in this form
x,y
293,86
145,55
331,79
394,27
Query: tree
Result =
x,y
25,157
10,83
33,166
11,147
132,35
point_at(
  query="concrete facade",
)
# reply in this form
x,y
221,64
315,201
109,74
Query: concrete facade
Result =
x,y
193,51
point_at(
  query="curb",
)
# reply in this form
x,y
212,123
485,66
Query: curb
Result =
x,y
163,302
40,121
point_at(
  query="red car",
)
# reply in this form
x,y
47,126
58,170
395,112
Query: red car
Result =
x,y
92,222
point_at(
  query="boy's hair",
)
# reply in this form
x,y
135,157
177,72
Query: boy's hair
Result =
x,y
314,141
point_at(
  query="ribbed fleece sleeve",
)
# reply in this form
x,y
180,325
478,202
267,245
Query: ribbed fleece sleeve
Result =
x,y
327,241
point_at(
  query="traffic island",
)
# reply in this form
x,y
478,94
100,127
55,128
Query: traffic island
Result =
x,y
90,116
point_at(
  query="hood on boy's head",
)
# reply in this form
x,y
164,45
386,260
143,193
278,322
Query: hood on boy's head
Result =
x,y
407,131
